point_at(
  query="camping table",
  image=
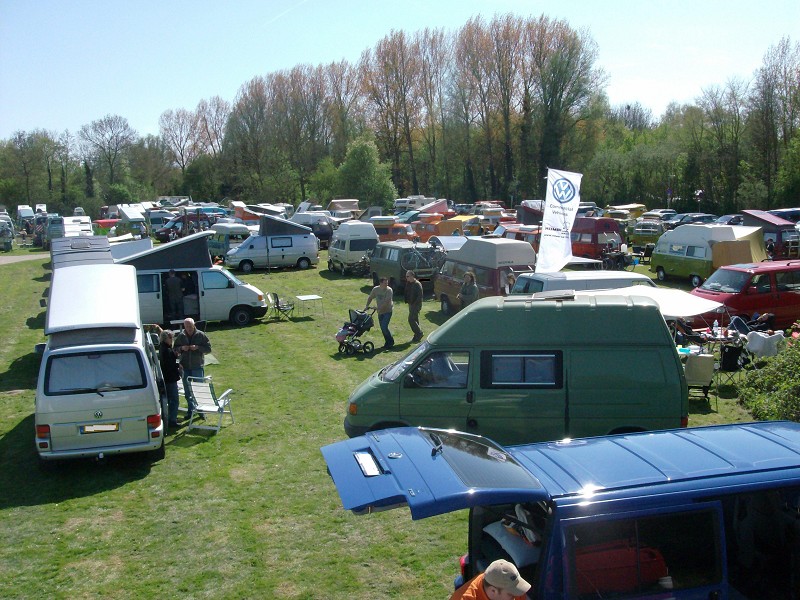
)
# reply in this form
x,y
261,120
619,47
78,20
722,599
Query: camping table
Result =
x,y
312,298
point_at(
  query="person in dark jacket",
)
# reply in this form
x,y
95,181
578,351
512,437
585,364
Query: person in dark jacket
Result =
x,y
413,297
168,359
193,345
469,290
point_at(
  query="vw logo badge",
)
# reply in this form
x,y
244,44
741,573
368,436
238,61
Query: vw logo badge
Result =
x,y
98,414
563,190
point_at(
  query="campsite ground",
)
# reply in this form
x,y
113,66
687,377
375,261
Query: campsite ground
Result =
x,y
249,512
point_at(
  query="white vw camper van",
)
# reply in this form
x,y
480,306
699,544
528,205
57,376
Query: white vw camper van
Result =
x,y
97,392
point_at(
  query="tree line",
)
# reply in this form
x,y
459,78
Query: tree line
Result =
x,y
477,113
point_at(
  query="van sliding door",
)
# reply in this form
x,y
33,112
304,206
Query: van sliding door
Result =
x,y
674,552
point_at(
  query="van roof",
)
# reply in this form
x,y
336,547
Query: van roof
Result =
x,y
93,296
708,232
766,266
533,320
584,275
495,252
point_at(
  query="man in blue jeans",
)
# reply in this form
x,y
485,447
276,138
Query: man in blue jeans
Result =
x,y
382,294
193,345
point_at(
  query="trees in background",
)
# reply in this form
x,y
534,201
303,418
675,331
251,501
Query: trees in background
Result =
x,y
478,113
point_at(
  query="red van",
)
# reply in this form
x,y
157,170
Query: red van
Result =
x,y
593,235
744,289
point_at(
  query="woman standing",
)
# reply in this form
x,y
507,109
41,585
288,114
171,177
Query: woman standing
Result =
x,y
469,290
171,372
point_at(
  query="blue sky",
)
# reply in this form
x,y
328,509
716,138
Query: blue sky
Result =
x,y
64,64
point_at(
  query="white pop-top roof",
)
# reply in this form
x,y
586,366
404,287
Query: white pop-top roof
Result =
x,y
93,297
495,252
708,233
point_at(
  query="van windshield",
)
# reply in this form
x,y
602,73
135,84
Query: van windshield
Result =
x,y
727,281
527,285
94,372
395,370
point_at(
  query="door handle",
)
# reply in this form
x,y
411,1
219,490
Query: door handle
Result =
x,y
158,296
470,397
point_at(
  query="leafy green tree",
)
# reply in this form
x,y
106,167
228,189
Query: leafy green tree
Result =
x,y
363,176
323,184
118,193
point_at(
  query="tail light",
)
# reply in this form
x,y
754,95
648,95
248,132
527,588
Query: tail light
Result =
x,y
685,421
43,436
463,564
153,423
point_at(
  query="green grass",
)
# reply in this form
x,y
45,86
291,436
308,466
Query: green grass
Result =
x,y
249,512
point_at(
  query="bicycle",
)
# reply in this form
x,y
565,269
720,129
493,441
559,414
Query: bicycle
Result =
x,y
415,260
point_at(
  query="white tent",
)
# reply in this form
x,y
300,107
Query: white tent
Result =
x,y
672,303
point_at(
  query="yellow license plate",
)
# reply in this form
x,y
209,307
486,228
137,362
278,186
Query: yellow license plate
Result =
x,y
100,428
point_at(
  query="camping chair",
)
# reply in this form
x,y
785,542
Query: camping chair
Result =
x,y
207,403
731,361
699,372
281,308
647,254
761,344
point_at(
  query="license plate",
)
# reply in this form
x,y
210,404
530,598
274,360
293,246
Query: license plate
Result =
x,y
100,428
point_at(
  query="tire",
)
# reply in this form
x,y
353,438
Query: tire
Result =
x,y
696,281
661,274
368,348
409,262
608,264
342,348
379,426
303,263
241,316
446,307
160,452
350,350
246,267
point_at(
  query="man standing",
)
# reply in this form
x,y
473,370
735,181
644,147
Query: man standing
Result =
x,y
193,345
174,288
383,296
413,296
500,581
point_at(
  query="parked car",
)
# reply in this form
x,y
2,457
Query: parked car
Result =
x,y
688,218
659,214
646,232
745,289
707,512
388,260
188,223
730,220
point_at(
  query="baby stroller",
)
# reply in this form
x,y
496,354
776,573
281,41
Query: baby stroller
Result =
x,y
360,322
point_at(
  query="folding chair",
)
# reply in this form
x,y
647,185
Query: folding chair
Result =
x,y
207,403
282,309
731,362
699,372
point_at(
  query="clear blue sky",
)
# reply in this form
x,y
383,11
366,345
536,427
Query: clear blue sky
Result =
x,y
66,63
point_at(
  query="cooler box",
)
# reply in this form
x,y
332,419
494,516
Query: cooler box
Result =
x,y
612,568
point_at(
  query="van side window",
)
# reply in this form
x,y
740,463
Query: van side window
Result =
x,y
677,249
362,245
147,284
214,280
788,281
626,558
482,277
696,251
513,369
761,283
281,242
447,268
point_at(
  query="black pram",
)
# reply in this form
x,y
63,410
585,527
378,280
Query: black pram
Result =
x,y
360,322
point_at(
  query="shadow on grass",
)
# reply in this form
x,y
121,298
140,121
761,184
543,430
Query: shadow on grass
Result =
x,y
22,373
36,322
24,482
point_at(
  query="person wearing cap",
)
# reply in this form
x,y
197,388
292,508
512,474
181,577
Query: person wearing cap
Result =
x,y
500,581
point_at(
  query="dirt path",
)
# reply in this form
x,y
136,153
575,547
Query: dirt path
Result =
x,y
7,260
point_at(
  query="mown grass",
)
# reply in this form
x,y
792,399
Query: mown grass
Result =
x,y
249,512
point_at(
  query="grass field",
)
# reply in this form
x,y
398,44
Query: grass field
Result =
x,y
247,513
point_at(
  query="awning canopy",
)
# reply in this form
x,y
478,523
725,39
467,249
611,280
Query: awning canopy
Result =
x,y
672,303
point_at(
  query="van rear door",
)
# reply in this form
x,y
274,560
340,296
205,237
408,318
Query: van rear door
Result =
x,y
429,470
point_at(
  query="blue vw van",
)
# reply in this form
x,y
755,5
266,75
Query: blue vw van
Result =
x,y
708,512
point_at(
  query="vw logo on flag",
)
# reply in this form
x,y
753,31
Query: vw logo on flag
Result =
x,y
563,190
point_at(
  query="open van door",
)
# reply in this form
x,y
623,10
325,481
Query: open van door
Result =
x,y
151,304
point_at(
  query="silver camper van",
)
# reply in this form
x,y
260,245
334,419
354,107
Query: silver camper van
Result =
x,y
97,392
532,283
279,243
